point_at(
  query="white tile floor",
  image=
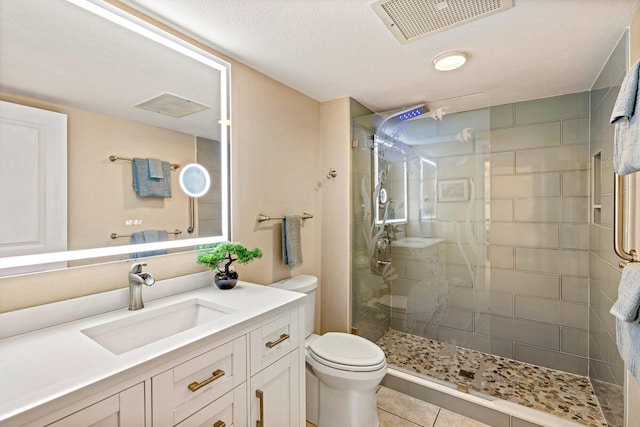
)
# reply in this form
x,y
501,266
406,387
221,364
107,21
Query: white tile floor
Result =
x,y
399,410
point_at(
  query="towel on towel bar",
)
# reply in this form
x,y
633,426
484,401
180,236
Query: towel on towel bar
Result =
x,y
626,117
148,236
628,303
291,242
155,169
145,184
625,309
628,340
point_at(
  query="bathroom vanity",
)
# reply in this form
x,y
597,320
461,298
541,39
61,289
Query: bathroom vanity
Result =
x,y
194,355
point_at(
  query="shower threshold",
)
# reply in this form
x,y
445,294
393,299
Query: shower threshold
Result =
x,y
523,391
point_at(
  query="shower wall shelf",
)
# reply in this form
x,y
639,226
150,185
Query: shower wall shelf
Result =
x,y
262,217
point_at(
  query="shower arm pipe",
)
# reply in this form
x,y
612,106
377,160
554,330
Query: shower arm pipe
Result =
x,y
618,224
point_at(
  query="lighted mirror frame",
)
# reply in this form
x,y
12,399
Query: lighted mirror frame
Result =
x,y
376,181
145,29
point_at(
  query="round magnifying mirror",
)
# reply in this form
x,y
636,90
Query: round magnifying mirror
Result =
x,y
383,196
194,180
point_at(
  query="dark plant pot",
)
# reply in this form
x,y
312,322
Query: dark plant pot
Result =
x,y
224,280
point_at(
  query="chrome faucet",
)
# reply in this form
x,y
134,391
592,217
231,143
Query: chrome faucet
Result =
x,y
137,278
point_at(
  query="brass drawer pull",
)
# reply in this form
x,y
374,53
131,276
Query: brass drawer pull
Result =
x,y
195,386
219,423
272,344
260,396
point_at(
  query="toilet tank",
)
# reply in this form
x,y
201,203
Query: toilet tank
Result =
x,y
306,284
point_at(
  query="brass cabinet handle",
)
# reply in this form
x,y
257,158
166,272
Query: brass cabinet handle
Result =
x,y
219,423
272,344
195,386
260,396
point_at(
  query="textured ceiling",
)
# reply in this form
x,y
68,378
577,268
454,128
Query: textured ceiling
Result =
x,y
328,49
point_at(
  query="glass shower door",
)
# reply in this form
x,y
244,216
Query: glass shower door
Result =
x,y
420,284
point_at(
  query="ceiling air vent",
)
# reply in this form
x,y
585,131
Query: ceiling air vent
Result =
x,y
172,105
410,20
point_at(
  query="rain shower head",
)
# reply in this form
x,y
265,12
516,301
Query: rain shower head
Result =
x,y
403,114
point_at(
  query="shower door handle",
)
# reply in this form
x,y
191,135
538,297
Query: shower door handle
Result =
x,y
618,223
383,262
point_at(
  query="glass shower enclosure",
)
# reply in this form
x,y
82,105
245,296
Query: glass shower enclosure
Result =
x,y
420,269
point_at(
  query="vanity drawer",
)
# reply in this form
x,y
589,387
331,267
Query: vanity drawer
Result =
x,y
228,411
192,385
273,341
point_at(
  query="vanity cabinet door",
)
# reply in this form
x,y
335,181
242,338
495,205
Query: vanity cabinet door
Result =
x,y
275,394
228,411
274,340
182,391
125,409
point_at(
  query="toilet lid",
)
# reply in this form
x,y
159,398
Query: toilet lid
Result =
x,y
347,352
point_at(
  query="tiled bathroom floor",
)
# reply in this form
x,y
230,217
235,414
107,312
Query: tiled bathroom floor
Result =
x,y
559,393
399,410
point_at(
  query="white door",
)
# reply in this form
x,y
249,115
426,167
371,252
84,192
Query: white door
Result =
x,y
33,181
275,394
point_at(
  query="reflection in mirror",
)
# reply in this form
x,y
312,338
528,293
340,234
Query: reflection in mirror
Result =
x,y
144,96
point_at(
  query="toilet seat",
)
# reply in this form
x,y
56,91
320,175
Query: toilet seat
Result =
x,y
347,352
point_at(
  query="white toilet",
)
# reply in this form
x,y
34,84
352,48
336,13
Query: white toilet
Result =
x,y
342,371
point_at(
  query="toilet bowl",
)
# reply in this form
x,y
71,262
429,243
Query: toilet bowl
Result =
x,y
342,370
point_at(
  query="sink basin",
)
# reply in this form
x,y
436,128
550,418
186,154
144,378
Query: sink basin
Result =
x,y
415,242
153,324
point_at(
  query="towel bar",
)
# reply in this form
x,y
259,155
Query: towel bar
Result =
x,y
262,217
116,235
112,158
630,256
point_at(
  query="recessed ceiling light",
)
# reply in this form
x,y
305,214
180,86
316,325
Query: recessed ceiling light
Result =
x,y
449,61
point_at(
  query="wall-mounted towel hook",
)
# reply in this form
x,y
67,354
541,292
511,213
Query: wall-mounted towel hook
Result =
x,y
330,175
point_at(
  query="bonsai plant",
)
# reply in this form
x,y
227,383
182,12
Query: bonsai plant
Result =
x,y
226,252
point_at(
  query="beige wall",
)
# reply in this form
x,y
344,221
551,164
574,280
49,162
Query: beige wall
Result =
x,y
100,196
275,165
335,141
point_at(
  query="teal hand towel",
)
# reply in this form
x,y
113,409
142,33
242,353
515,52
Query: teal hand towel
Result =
x,y
291,242
145,185
626,117
155,169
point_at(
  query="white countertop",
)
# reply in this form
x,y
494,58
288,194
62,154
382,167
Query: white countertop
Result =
x,y
39,366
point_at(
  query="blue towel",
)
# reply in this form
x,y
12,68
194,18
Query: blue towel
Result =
x,y
626,117
626,311
155,169
628,339
148,236
147,186
291,243
628,303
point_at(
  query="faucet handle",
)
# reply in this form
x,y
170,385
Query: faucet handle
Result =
x,y
137,267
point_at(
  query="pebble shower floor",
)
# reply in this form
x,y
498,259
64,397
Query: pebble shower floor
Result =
x,y
559,393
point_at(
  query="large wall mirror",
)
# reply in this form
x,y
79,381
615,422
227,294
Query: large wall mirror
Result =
x,y
96,107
